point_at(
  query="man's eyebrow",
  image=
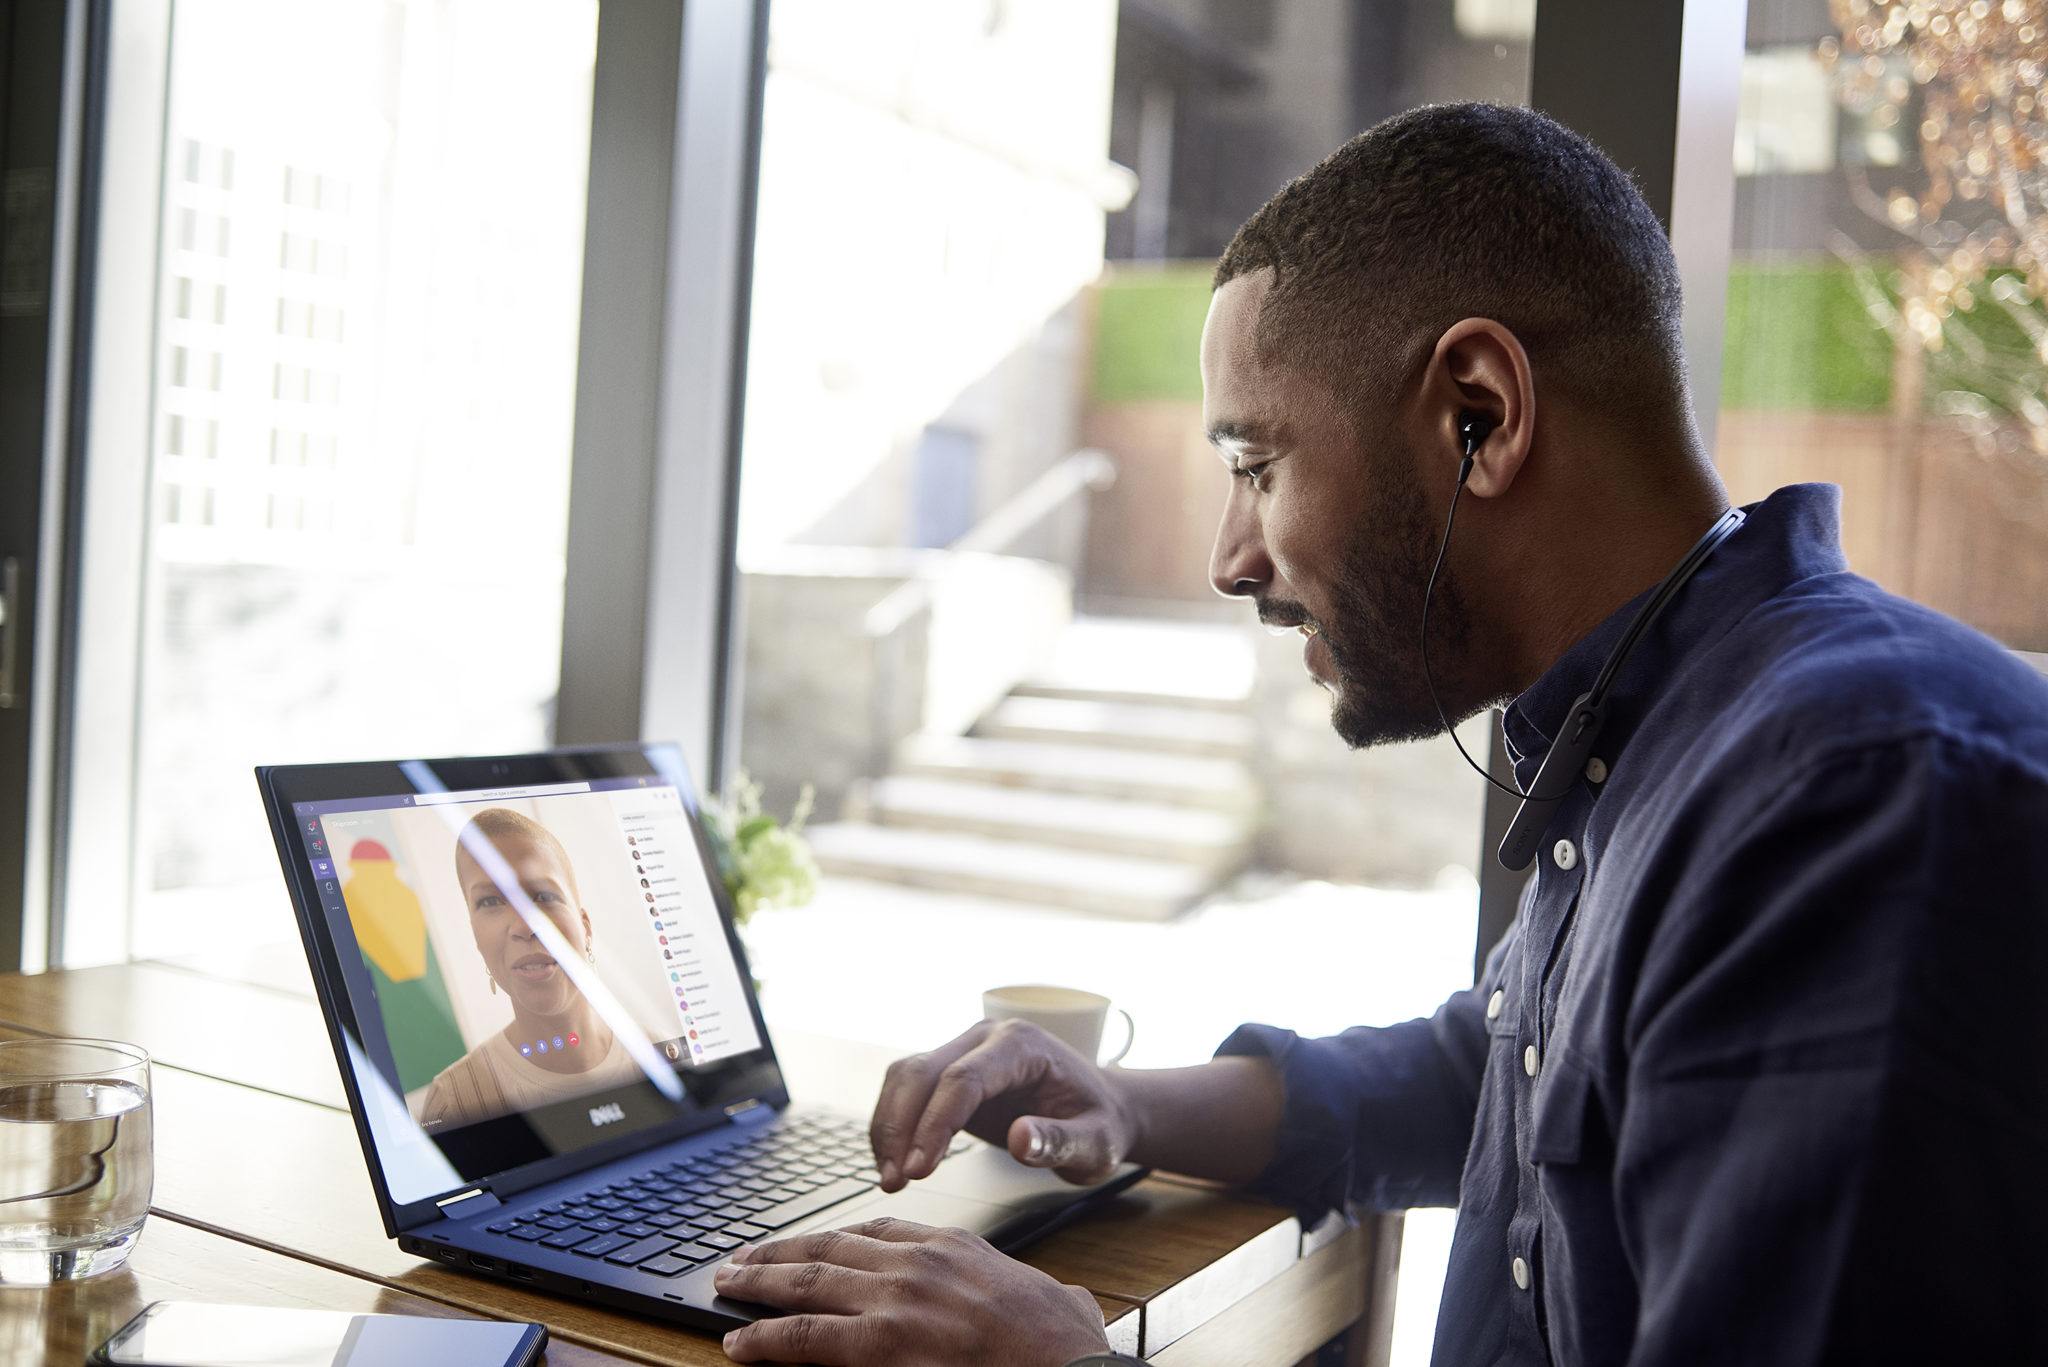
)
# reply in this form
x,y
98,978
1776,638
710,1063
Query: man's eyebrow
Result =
x,y
1247,431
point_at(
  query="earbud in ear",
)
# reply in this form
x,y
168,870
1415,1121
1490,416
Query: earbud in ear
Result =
x,y
1473,430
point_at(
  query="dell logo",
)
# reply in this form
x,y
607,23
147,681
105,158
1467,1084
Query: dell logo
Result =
x,y
606,1114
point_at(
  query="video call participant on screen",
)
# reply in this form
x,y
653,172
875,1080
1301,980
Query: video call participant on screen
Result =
x,y
556,1047
1757,1076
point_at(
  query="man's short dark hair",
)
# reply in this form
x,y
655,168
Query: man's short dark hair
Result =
x,y
1459,211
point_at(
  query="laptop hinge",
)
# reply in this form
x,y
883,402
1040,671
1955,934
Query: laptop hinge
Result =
x,y
464,1204
739,1110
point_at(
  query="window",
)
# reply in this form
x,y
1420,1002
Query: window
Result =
x,y
1885,316
368,272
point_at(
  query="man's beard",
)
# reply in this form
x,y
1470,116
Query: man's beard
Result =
x,y
1374,632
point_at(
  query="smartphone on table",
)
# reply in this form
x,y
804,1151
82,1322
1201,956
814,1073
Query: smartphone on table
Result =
x,y
191,1334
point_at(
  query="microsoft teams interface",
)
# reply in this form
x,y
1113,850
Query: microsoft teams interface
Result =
x,y
510,937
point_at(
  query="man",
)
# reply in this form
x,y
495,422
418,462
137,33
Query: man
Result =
x,y
1758,1075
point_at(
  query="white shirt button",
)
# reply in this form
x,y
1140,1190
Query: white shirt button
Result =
x,y
1529,1060
1520,1268
1596,770
1494,1004
1565,853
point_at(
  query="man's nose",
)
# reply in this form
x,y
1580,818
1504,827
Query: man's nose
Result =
x,y
1238,565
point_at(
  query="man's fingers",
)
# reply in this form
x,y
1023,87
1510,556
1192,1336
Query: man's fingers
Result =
x,y
817,1287
989,1069
1078,1150
889,1230
842,1246
828,1339
906,1091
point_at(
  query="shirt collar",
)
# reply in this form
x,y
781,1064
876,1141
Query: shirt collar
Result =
x,y
1794,534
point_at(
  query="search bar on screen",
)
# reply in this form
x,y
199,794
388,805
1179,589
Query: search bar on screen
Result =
x,y
499,794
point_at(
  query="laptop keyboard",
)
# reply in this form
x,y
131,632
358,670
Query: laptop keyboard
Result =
x,y
678,1216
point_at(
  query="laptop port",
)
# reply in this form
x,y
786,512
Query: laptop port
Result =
x,y
486,1264
518,1273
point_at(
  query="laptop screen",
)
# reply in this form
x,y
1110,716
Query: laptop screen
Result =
x,y
528,969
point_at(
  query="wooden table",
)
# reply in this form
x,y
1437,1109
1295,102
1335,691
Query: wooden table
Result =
x,y
261,1197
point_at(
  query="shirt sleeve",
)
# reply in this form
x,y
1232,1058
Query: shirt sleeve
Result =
x,y
1378,1115
1837,1065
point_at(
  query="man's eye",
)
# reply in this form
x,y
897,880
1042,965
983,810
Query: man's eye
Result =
x,y
488,901
1254,475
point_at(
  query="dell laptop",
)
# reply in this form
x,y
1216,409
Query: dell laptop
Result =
x,y
551,1043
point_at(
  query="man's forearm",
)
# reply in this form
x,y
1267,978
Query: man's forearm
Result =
x,y
1220,1120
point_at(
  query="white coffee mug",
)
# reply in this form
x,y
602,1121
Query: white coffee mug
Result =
x,y
1066,1013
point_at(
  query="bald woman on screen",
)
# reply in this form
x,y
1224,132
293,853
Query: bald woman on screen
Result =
x,y
556,1046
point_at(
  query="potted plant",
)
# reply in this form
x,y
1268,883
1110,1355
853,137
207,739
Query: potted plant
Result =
x,y
763,862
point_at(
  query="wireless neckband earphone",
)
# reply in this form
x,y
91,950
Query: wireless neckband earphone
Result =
x,y
1567,756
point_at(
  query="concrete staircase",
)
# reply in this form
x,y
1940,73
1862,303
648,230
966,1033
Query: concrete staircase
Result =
x,y
1115,781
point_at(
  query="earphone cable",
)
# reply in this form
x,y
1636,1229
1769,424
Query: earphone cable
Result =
x,y
1464,472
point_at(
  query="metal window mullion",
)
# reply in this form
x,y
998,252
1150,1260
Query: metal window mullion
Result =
x,y
649,613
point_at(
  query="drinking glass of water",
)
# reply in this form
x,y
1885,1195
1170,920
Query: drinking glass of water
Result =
x,y
75,1160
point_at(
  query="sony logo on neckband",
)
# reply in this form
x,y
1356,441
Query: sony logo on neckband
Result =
x,y
607,1113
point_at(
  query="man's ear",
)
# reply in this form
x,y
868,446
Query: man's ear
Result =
x,y
1479,369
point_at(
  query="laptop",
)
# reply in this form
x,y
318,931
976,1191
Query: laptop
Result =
x,y
551,1043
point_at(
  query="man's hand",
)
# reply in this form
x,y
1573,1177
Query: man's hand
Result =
x,y
891,1292
1010,1083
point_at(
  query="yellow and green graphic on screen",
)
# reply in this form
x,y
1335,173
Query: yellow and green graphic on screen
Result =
x,y
392,933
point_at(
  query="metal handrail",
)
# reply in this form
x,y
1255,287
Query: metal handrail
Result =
x,y
1084,469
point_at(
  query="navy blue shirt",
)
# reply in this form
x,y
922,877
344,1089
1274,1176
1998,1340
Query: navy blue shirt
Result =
x,y
1758,1076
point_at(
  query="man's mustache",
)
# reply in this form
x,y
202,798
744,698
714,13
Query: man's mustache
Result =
x,y
1283,616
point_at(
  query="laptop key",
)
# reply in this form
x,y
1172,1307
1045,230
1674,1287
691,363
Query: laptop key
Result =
x,y
637,1230
600,1226
556,1222
601,1245
748,1233
721,1242
526,1232
635,1253
568,1238
667,1265
831,1194
663,1221
504,1227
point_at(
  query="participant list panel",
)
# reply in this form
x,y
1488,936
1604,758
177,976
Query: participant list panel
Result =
x,y
686,936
